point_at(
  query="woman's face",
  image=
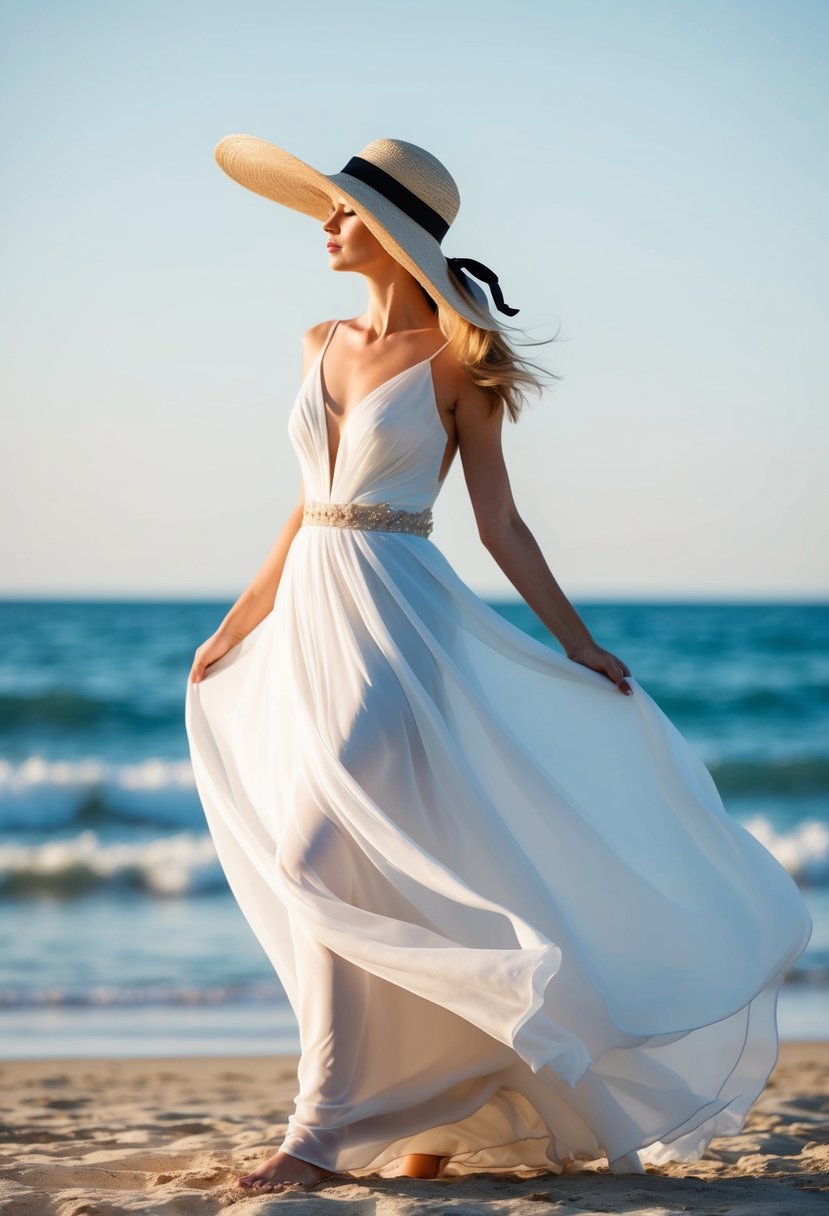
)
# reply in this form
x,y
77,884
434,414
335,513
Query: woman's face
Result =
x,y
351,246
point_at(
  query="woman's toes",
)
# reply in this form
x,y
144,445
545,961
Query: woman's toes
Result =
x,y
283,1170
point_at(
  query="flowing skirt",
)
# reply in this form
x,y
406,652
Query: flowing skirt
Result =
x,y
514,920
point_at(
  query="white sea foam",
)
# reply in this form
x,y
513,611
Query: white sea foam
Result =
x,y
35,772
803,850
40,793
173,865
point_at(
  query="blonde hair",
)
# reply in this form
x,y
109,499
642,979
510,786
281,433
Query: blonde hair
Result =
x,y
490,361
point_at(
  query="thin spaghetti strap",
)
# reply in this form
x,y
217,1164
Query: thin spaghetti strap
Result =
x,y
328,338
440,348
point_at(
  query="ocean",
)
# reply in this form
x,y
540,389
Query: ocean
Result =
x,y
118,935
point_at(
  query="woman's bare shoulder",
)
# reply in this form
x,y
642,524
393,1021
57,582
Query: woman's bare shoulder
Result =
x,y
314,337
313,341
460,388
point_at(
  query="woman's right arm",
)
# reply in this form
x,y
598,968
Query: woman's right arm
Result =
x,y
257,600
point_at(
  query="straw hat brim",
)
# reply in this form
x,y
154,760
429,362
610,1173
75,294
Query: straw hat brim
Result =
x,y
265,169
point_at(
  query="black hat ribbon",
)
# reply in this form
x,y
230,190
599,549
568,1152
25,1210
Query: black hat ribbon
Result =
x,y
486,276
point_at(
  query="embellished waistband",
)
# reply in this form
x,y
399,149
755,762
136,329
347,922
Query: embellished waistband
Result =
x,y
371,517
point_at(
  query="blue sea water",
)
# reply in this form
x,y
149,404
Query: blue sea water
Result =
x,y
118,934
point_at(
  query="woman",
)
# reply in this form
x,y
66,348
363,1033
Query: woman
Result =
x,y
515,923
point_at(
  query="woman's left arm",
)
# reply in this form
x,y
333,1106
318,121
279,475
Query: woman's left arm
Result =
x,y
509,540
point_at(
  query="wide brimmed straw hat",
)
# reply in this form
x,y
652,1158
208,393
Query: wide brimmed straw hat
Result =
x,y
402,194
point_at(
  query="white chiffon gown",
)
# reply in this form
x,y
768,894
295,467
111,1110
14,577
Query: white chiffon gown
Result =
x,y
514,921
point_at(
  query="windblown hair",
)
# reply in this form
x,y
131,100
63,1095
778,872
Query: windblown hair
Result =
x,y
490,360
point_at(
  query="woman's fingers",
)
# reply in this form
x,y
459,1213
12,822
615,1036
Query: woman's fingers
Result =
x,y
200,661
617,670
601,660
215,648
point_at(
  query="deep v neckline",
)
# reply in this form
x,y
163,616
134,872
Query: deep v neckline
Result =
x,y
332,473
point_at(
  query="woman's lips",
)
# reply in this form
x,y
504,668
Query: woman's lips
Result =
x,y
331,246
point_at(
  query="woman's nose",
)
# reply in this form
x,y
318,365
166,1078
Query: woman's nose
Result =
x,y
331,224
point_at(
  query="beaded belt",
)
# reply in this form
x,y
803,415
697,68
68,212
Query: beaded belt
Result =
x,y
372,517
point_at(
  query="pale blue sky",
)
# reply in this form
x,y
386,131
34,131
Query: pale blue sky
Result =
x,y
651,176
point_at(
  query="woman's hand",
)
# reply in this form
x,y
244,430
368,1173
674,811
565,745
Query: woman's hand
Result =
x,y
595,657
210,651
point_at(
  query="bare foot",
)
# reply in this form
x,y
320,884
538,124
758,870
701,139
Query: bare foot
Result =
x,y
282,1168
420,1165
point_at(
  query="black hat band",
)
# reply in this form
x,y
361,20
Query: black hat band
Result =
x,y
390,188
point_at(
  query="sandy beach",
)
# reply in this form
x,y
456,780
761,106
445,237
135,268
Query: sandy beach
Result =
x,y
97,1137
